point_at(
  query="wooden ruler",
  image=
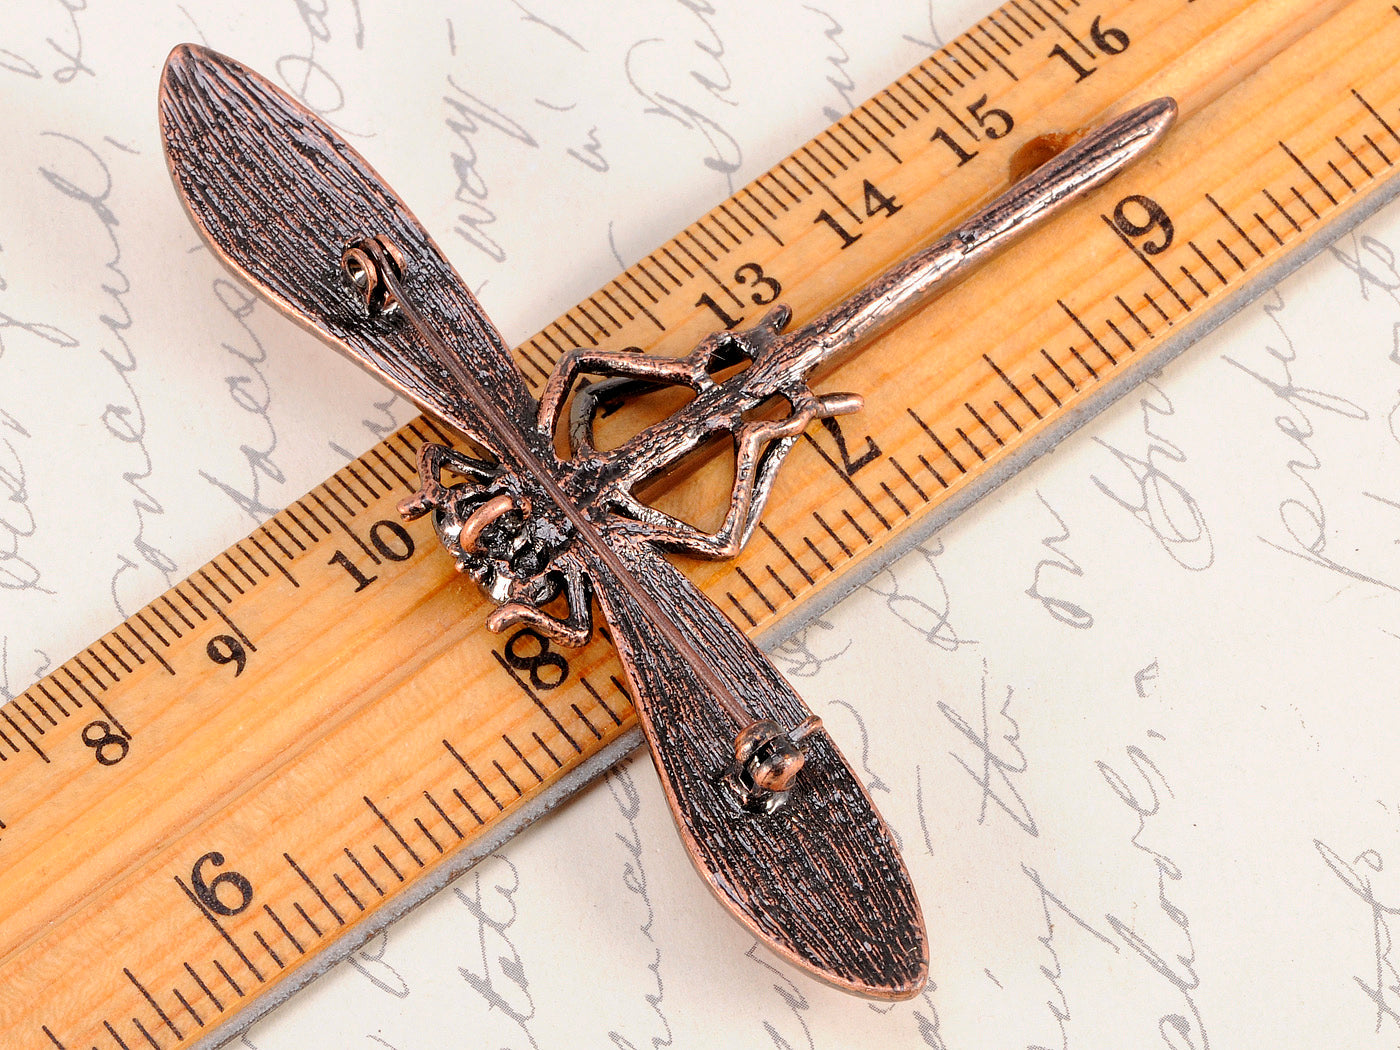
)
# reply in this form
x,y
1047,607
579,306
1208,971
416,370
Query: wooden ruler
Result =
x,y
249,776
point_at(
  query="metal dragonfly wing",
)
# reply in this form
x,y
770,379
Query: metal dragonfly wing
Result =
x,y
769,810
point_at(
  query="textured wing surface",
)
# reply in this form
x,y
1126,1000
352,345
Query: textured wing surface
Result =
x,y
820,881
280,195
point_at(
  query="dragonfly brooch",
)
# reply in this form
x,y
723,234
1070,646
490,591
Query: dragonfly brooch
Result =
x,y
769,810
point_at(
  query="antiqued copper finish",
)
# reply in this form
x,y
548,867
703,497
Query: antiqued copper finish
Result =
x,y
768,809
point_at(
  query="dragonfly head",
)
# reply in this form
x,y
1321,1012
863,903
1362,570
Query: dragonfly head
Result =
x,y
488,522
504,541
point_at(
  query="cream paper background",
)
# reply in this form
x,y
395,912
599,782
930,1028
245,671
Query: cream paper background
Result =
x,y
1143,762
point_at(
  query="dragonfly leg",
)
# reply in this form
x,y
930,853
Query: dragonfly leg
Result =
x,y
432,493
621,364
572,631
761,446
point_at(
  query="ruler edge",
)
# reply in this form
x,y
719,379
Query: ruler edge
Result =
x,y
800,613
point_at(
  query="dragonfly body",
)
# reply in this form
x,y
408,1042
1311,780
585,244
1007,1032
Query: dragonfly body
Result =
x,y
770,812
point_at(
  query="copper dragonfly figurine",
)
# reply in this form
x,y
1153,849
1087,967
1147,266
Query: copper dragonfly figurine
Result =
x,y
770,812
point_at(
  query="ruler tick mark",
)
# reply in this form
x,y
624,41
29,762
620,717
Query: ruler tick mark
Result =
x,y
598,697
154,1005
257,936
1236,226
1012,387
313,888
1192,278
584,719
34,701
364,464
470,809
907,480
938,441
267,909
125,645
929,467
311,514
233,584
204,988
361,869
1153,303
388,863
1087,366
113,1033
552,756
1008,416
1233,257
1209,265
1028,16
388,824
472,773
1338,172
1378,151
1307,171
534,699
984,424
227,977
247,642
832,533
38,729
1133,314
856,525
306,918
1088,51
748,617
1128,343
4,711
98,660
188,1008
145,1034
520,755
748,581
772,575
895,499
347,891
820,556
266,947
1355,159
274,562
913,98
785,552
253,561
291,516
845,476
329,490
502,770
1063,374
426,834
1304,202
62,689
969,443
443,814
